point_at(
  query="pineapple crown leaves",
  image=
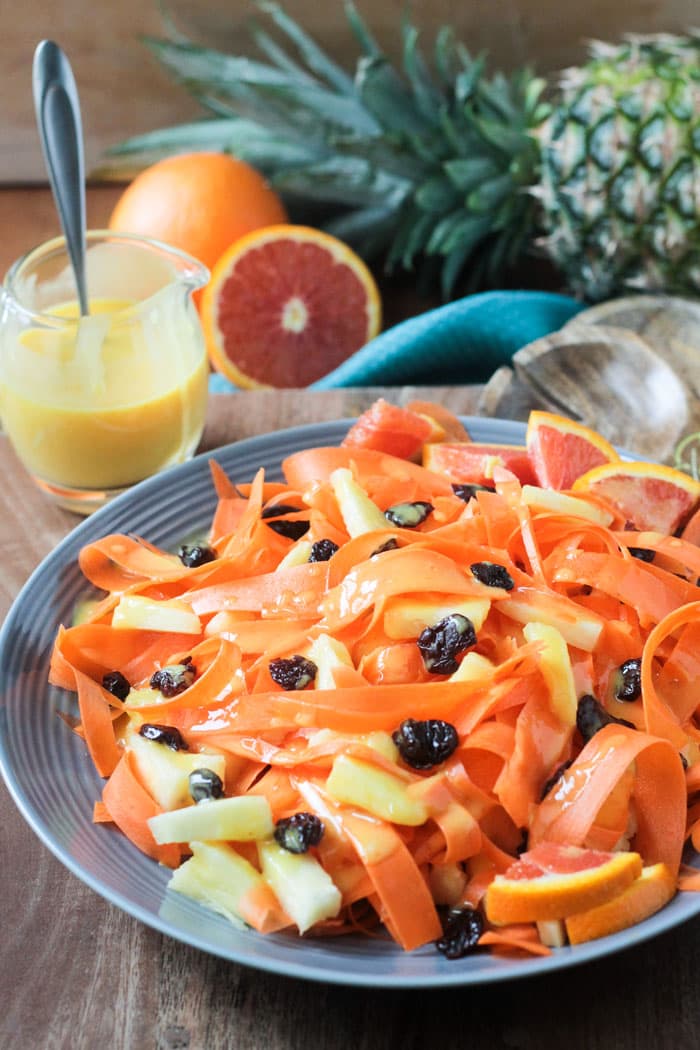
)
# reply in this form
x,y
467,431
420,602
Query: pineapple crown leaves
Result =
x,y
431,162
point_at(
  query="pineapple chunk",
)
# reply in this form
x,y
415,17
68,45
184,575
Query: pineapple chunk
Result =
x,y
383,743
473,668
380,793
447,884
407,617
304,889
218,877
299,554
147,614
579,627
559,503
552,933
145,697
360,514
241,819
165,773
83,610
328,653
555,665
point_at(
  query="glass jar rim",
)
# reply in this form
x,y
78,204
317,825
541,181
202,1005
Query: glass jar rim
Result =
x,y
194,272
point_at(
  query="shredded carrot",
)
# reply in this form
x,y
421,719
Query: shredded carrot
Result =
x,y
518,766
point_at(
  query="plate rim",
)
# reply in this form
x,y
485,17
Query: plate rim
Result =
x,y
65,554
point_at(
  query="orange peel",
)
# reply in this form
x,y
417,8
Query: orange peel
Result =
x,y
512,898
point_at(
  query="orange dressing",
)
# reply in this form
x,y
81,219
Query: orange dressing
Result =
x,y
110,400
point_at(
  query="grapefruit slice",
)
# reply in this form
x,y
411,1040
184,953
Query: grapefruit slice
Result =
x,y
449,427
389,428
553,881
650,496
286,305
468,462
561,450
646,895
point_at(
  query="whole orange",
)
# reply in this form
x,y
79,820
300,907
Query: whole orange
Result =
x,y
198,202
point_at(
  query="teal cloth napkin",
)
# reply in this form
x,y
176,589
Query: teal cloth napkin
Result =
x,y
462,342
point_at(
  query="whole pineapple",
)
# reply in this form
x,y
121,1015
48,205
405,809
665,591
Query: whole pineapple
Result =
x,y
445,167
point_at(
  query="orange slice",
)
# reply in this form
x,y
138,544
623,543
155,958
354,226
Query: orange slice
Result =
x,y
646,895
553,881
649,495
468,462
286,305
561,450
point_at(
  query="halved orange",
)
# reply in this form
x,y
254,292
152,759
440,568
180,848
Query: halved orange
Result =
x,y
562,450
649,495
286,305
646,895
553,881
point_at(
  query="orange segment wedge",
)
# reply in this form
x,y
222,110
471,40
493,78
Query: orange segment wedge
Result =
x,y
286,305
389,428
646,895
471,463
553,881
561,450
650,496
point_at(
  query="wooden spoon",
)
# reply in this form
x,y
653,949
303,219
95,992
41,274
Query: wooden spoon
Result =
x,y
605,377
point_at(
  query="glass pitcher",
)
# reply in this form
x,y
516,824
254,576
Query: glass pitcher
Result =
x,y
94,404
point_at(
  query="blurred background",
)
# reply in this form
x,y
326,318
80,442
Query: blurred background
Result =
x,y
123,91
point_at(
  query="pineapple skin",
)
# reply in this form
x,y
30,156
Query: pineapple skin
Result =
x,y
620,169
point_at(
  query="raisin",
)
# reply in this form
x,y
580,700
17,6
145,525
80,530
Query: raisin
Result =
x,y
389,545
628,680
291,530
295,672
492,574
205,785
555,778
461,932
323,550
275,510
196,554
592,716
467,492
174,678
440,644
169,736
116,684
423,745
643,553
408,515
299,832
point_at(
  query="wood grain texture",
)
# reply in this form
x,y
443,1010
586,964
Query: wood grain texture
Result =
x,y
124,91
78,974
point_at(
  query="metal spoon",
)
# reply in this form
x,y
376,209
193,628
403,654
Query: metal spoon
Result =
x,y
57,108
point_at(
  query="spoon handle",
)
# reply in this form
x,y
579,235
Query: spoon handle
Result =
x,y
60,129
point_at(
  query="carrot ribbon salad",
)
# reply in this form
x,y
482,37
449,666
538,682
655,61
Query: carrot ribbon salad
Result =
x,y
385,695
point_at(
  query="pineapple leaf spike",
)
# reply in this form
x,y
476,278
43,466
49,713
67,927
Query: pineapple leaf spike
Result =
x,y
444,168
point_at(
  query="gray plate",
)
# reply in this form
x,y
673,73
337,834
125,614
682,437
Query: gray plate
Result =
x,y
52,780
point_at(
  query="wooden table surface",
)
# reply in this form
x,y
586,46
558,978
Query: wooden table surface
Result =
x,y
78,973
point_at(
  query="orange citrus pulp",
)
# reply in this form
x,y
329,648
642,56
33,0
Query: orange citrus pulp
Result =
x,y
286,305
